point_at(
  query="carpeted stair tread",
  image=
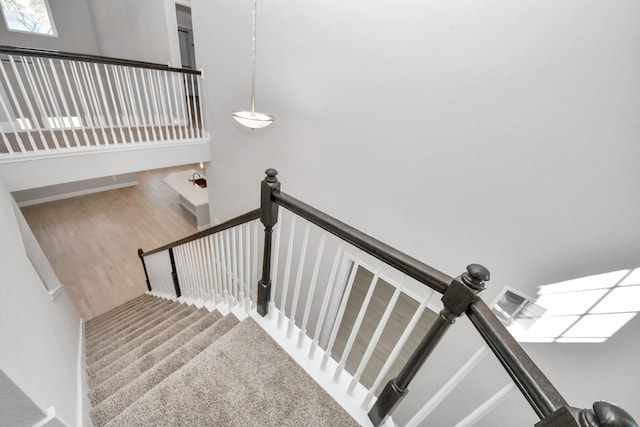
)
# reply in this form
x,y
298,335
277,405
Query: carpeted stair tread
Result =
x,y
94,322
140,327
108,330
120,373
129,319
132,318
119,313
141,340
243,379
120,400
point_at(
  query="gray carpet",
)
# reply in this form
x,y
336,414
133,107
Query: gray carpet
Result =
x,y
165,364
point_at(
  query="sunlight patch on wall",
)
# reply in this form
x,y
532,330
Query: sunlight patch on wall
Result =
x,y
584,310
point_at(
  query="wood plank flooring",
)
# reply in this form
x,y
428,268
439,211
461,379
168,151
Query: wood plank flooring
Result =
x,y
92,241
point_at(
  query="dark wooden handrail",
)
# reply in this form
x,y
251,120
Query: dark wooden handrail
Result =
x,y
420,271
541,394
249,216
46,53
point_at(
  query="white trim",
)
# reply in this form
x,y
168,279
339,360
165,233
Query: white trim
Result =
x,y
55,292
76,193
51,415
38,155
79,385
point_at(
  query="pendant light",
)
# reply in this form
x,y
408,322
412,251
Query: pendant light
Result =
x,y
253,119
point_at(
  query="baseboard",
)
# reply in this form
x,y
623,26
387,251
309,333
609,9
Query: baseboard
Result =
x,y
79,382
76,194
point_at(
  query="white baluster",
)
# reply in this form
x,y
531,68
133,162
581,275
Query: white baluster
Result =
x,y
254,282
114,102
340,314
376,337
146,99
188,101
312,288
396,350
65,106
200,102
194,100
34,117
84,103
154,102
287,271
105,101
298,282
230,268
328,290
179,105
358,323
39,94
52,98
247,268
169,102
93,97
17,104
140,110
240,265
274,263
13,128
75,104
127,102
213,259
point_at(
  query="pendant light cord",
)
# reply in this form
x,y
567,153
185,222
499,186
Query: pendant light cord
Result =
x,y
253,60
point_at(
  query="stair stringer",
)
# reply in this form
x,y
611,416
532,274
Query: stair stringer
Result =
x,y
337,390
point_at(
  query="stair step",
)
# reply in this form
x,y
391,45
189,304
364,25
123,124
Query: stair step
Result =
x,y
139,327
120,400
134,363
139,340
117,313
244,378
127,317
105,317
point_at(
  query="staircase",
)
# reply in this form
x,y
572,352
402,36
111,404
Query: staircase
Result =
x,y
155,362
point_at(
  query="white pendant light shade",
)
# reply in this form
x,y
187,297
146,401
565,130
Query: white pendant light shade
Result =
x,y
253,119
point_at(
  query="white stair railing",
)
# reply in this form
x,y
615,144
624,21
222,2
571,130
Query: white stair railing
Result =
x,y
53,102
217,268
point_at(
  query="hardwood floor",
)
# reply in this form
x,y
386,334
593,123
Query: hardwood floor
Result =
x,y
92,241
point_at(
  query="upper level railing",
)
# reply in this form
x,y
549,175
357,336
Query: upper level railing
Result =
x,y
311,271
57,101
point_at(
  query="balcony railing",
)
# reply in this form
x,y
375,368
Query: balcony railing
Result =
x,y
56,102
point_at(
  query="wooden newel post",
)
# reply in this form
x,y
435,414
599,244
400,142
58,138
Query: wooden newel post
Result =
x,y
268,217
174,274
144,267
456,299
603,414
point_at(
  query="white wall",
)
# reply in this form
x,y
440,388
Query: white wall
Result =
x,y
39,337
143,30
40,171
498,132
73,24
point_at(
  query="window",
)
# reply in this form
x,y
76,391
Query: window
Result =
x,y
28,16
